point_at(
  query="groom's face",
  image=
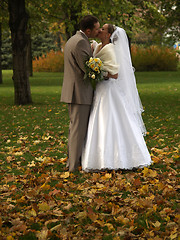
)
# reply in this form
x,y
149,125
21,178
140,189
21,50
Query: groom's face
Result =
x,y
95,31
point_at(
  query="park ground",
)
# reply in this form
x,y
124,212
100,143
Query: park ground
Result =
x,y
40,200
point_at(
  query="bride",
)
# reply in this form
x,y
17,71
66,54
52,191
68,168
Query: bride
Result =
x,y
115,131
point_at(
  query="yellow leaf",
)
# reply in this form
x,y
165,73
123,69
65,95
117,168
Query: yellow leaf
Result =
x,y
43,234
149,173
33,212
167,218
101,223
155,207
160,186
22,199
81,215
32,164
145,171
65,175
144,189
9,238
18,153
161,140
45,187
44,206
62,160
109,226
56,228
122,220
152,173
99,185
115,209
152,197
177,217
108,175
157,224
173,236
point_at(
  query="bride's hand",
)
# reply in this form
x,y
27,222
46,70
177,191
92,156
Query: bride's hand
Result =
x,y
93,45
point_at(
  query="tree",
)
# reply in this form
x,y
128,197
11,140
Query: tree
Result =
x,y
3,23
6,57
160,19
18,24
1,80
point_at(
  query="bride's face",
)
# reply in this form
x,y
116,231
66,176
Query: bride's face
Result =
x,y
103,34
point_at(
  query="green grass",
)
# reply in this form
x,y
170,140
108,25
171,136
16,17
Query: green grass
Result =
x,y
36,195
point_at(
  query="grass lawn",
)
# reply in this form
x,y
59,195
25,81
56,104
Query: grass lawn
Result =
x,y
40,200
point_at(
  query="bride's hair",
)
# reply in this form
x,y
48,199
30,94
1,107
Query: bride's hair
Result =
x,y
111,28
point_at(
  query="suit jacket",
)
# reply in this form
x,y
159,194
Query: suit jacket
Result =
x,y
74,90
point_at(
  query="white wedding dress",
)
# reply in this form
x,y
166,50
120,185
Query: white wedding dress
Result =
x,y
115,131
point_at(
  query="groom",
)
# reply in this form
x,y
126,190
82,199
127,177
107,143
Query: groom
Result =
x,y
75,92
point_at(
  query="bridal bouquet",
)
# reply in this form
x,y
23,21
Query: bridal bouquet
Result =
x,y
93,71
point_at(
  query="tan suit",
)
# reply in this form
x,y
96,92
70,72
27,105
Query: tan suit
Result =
x,y
77,94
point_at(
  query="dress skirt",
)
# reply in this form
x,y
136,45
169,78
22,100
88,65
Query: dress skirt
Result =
x,y
114,138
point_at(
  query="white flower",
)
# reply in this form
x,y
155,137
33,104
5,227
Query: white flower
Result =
x,y
93,76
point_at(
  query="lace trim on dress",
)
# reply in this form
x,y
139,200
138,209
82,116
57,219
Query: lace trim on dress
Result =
x,y
116,169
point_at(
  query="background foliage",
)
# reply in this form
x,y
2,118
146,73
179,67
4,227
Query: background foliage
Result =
x,y
153,58
42,43
51,62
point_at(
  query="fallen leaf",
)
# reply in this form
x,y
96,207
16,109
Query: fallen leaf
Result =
x,y
65,175
43,206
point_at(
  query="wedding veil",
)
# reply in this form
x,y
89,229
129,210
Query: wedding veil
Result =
x,y
126,75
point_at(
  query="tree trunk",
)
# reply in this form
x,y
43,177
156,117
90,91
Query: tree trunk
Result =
x,y
72,15
1,80
18,24
58,40
29,57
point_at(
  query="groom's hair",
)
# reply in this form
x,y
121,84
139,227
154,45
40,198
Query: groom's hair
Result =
x,y
88,22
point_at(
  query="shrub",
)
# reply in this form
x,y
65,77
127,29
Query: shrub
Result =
x,y
51,62
43,43
154,58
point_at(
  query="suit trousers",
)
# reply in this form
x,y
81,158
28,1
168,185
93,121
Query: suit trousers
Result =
x,y
79,118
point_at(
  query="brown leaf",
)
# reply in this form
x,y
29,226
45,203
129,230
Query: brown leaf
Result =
x,y
54,192
68,206
137,182
92,215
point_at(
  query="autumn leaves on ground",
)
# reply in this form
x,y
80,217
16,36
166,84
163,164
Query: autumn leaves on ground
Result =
x,y
41,200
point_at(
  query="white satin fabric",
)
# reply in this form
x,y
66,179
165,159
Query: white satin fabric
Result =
x,y
114,140
115,135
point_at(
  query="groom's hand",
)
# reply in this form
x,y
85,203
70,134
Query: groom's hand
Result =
x,y
112,76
